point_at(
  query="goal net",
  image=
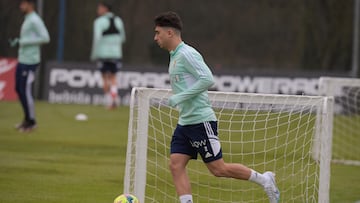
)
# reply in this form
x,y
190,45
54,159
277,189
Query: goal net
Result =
x,y
346,127
262,131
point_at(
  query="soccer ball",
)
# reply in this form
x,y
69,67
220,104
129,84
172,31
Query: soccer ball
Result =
x,y
126,198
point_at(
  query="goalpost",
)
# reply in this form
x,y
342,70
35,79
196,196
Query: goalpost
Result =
x,y
262,131
346,127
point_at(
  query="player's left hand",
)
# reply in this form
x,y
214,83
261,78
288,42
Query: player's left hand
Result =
x,y
172,102
13,42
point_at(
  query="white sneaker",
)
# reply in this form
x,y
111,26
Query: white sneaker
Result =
x,y
270,187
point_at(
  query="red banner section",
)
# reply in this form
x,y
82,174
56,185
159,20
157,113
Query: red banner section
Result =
x,y
7,79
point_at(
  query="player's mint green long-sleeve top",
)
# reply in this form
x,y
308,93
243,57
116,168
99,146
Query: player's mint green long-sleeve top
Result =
x,y
33,33
107,46
190,79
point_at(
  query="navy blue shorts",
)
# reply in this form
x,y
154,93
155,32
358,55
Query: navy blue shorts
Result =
x,y
109,66
198,138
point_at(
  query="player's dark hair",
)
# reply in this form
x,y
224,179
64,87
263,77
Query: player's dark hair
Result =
x,y
169,19
30,1
106,5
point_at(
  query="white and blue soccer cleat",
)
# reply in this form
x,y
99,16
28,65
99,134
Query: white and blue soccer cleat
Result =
x,y
270,187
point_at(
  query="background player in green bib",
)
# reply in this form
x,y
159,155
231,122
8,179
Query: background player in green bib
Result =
x,y
109,35
196,132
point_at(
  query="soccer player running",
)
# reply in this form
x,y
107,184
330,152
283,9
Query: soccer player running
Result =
x,y
108,37
190,79
32,35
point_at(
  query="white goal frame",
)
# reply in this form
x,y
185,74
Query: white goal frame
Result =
x,y
136,157
332,86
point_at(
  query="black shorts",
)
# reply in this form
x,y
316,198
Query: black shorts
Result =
x,y
198,138
109,66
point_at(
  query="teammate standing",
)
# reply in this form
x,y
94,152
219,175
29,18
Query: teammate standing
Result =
x,y
190,79
33,34
109,35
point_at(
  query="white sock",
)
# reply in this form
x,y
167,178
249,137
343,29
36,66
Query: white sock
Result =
x,y
257,177
186,199
113,90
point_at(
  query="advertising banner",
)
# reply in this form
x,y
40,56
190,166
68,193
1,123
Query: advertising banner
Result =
x,y
81,83
7,79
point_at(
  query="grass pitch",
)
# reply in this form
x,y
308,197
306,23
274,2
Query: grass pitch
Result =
x,y
72,161
63,160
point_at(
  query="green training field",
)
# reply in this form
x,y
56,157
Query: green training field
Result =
x,y
72,161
